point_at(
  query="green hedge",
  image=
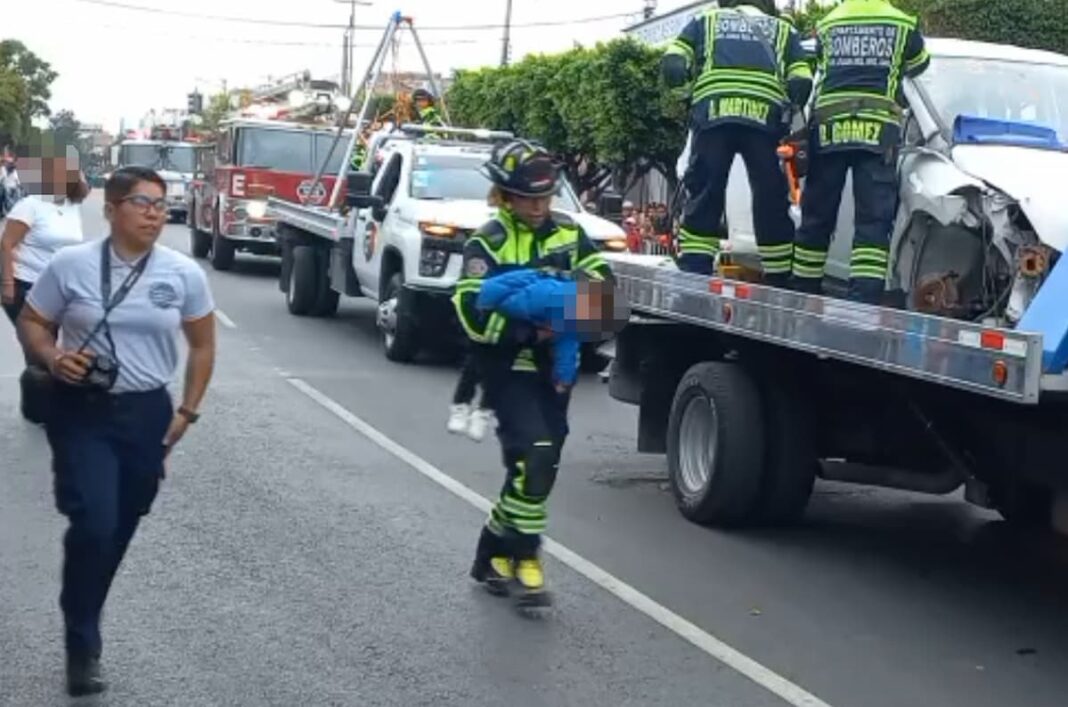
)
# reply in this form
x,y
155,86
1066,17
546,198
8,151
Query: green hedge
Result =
x,y
1037,24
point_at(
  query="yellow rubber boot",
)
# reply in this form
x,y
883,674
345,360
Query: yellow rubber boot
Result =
x,y
531,580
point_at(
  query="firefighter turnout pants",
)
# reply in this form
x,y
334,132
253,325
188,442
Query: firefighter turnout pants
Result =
x,y
875,197
706,179
532,427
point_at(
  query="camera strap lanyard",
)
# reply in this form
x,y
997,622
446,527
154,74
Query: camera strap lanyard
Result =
x,y
111,302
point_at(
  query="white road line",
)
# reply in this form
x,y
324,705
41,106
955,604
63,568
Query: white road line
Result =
x,y
224,320
764,677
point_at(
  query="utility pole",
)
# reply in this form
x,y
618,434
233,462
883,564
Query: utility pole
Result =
x,y
650,9
347,46
506,49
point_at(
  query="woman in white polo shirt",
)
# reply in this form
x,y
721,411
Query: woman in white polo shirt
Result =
x,y
105,318
38,227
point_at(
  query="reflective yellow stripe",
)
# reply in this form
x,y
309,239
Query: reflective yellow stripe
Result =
x,y
799,70
681,48
918,60
809,263
776,259
773,250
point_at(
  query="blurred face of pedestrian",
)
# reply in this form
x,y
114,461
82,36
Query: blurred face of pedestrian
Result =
x,y
138,218
422,104
531,210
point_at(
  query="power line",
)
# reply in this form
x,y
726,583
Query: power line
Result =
x,y
270,42
318,25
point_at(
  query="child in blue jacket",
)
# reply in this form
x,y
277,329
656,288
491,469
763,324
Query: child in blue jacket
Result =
x,y
573,309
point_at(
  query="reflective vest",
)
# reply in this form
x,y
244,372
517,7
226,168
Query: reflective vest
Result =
x,y
865,49
429,116
559,245
743,60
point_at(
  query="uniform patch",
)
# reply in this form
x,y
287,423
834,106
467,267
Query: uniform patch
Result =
x,y
162,295
476,267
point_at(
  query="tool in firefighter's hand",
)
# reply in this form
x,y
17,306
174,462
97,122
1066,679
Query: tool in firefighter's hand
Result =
x,y
397,22
788,154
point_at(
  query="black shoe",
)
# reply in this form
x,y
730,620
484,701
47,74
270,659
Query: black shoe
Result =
x,y
83,677
496,574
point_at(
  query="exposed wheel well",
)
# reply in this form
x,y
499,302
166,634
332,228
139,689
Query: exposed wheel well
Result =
x,y
392,262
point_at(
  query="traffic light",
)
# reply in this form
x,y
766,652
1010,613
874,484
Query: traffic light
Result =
x,y
196,103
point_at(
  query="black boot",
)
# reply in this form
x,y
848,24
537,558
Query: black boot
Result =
x,y
778,280
493,566
83,677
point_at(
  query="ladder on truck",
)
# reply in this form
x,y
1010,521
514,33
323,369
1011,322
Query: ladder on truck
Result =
x,y
397,22
1000,363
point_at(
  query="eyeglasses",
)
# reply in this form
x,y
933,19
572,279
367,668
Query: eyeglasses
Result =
x,y
144,204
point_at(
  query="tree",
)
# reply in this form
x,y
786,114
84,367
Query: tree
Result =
x,y
36,74
13,97
1036,24
216,109
602,111
65,129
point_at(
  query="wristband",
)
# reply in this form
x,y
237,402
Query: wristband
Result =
x,y
190,416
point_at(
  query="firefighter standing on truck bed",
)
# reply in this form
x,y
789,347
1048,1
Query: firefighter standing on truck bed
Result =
x,y
425,108
865,48
515,360
749,67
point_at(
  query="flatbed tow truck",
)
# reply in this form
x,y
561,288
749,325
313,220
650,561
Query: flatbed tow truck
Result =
x,y
753,392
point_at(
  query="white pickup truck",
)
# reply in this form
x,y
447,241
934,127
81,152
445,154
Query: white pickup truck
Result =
x,y
401,241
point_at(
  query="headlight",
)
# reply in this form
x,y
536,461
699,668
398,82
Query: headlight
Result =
x,y
257,209
614,245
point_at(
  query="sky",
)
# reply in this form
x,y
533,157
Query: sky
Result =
x,y
116,63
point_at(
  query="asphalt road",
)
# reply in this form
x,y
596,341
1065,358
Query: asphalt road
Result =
x,y
297,557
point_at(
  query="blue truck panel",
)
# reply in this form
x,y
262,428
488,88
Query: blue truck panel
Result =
x,y
1048,316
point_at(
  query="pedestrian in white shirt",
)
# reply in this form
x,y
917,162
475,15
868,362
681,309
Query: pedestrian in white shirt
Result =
x,y
37,228
10,189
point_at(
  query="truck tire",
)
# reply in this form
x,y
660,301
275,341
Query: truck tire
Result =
x,y
199,242
397,322
302,295
790,458
1023,504
222,253
327,299
716,444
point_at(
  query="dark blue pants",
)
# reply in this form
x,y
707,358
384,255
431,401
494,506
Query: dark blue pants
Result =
x,y
107,453
711,158
875,199
532,427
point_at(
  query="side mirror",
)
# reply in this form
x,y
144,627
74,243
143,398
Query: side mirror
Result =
x,y
358,191
611,206
379,210
358,183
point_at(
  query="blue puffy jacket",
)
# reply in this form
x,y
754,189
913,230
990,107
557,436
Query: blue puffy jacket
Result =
x,y
543,299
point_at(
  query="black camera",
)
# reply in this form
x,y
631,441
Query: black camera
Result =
x,y
103,372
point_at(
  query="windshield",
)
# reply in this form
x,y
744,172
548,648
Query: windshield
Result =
x,y
999,90
442,177
177,159
323,141
282,150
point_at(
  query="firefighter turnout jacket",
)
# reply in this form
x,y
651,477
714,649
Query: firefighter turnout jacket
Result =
x,y
864,48
429,116
558,245
746,67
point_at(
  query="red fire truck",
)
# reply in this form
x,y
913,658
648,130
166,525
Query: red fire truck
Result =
x,y
271,145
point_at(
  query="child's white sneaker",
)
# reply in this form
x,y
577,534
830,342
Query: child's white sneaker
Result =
x,y
480,421
459,418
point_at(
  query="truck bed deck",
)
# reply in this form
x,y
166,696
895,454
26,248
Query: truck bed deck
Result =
x,y
318,221
999,363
